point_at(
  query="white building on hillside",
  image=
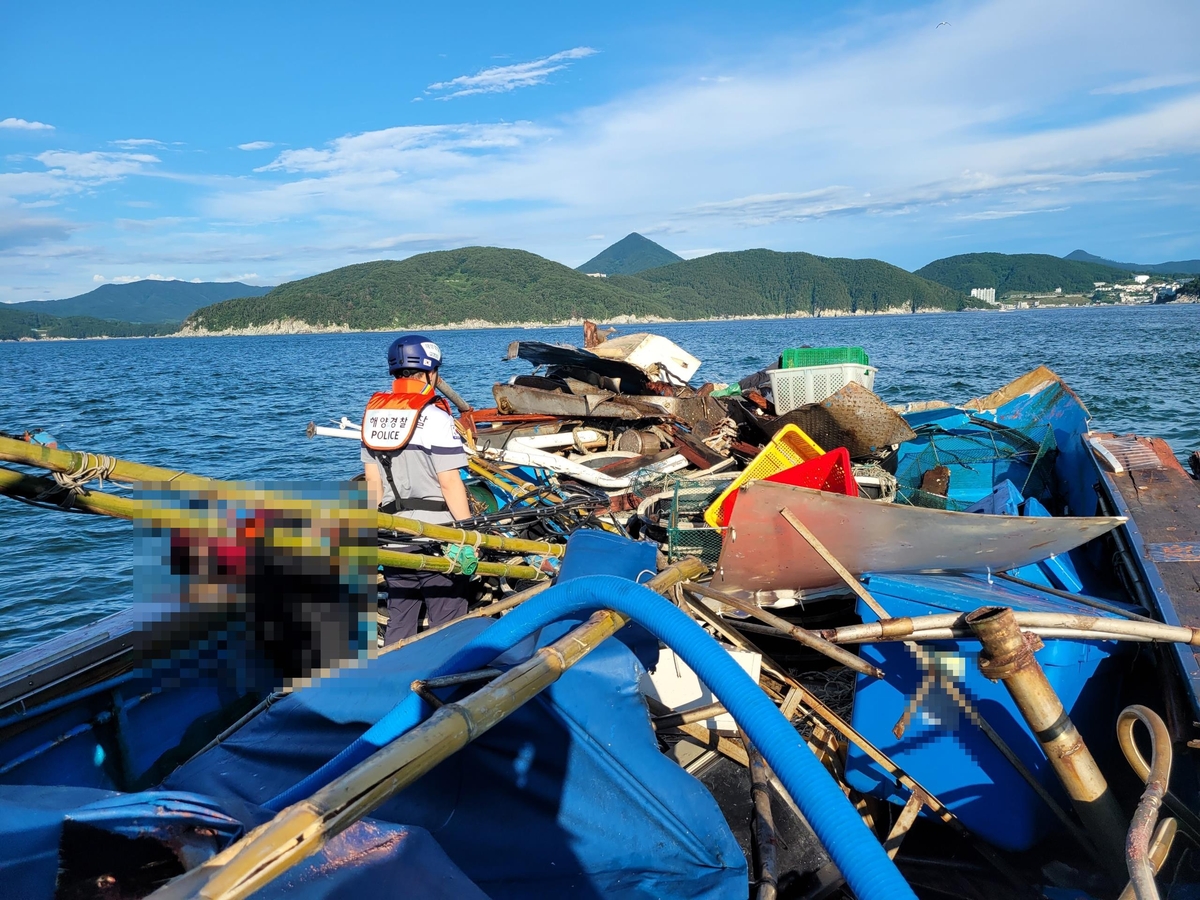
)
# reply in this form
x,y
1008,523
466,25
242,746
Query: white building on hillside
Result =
x,y
988,295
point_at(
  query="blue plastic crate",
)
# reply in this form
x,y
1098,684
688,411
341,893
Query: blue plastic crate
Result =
x,y
941,748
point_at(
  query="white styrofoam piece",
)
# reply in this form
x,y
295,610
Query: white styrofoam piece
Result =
x,y
650,353
675,685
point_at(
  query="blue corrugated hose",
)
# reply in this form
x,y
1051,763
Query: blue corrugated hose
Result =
x,y
851,846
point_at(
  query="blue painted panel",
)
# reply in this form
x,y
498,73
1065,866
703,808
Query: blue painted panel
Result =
x,y
941,748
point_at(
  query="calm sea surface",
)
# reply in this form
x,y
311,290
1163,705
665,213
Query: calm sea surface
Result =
x,y
236,408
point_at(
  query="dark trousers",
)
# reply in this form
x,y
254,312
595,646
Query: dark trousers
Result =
x,y
444,596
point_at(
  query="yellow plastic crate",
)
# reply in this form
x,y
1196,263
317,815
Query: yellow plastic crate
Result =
x,y
790,447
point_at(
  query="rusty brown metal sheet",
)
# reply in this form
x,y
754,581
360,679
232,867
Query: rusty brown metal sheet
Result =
x,y
762,552
513,398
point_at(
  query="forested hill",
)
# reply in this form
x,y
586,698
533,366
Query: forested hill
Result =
x,y
630,255
18,324
492,285
484,284
150,300
1018,272
1174,267
767,283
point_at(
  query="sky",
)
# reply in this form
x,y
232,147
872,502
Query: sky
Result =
x,y
265,142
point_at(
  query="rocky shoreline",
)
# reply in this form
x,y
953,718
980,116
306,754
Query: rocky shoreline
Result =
x,y
296,326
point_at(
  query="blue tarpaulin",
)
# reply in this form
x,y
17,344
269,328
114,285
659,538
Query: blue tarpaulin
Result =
x,y
570,794
37,863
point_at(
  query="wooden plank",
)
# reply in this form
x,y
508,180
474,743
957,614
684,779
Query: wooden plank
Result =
x,y
1163,502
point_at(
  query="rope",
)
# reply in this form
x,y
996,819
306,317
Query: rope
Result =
x,y
73,484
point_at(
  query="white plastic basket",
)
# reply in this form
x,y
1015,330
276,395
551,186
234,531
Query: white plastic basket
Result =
x,y
793,388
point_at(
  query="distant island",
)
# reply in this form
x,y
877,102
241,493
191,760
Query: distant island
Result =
x,y
137,309
1176,267
494,286
634,280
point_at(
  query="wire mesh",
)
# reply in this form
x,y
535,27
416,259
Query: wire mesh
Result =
x,y
687,532
1024,457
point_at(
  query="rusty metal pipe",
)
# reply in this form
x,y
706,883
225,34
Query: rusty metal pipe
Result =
x,y
1008,655
1157,775
801,635
950,626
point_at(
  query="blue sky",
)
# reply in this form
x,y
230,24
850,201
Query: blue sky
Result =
x,y
267,142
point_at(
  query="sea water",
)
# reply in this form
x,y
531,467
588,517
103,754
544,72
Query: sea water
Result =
x,y
237,407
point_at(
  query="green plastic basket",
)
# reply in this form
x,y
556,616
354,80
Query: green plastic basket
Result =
x,y
802,357
687,532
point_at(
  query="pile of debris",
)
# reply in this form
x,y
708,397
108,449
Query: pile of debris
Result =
x,y
621,415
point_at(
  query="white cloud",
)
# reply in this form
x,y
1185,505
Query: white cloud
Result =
x,y
129,279
989,215
499,79
418,242
22,125
595,237
161,223
766,147
20,231
256,145
135,143
408,148
1149,83
97,278
95,166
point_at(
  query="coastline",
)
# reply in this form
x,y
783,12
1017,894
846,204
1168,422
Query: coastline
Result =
x,y
296,327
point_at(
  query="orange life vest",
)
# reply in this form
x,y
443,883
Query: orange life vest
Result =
x,y
391,416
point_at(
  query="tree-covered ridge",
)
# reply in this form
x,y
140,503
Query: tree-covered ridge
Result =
x,y
765,282
143,301
488,284
485,284
16,324
1018,273
1174,267
630,255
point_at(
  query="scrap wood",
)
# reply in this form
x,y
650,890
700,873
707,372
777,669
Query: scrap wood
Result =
x,y
694,451
703,736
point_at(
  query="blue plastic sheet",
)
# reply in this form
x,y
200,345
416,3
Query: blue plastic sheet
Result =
x,y
568,795
370,858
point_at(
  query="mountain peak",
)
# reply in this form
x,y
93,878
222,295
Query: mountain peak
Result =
x,y
631,254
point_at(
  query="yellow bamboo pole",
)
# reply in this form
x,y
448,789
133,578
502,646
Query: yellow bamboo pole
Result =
x,y
73,462
303,828
31,487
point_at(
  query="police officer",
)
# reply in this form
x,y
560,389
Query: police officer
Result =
x,y
412,454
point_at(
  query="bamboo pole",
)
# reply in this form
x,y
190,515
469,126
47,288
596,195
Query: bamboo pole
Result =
x,y
303,828
803,636
69,462
31,487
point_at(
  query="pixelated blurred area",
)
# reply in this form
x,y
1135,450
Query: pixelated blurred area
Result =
x,y
262,586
